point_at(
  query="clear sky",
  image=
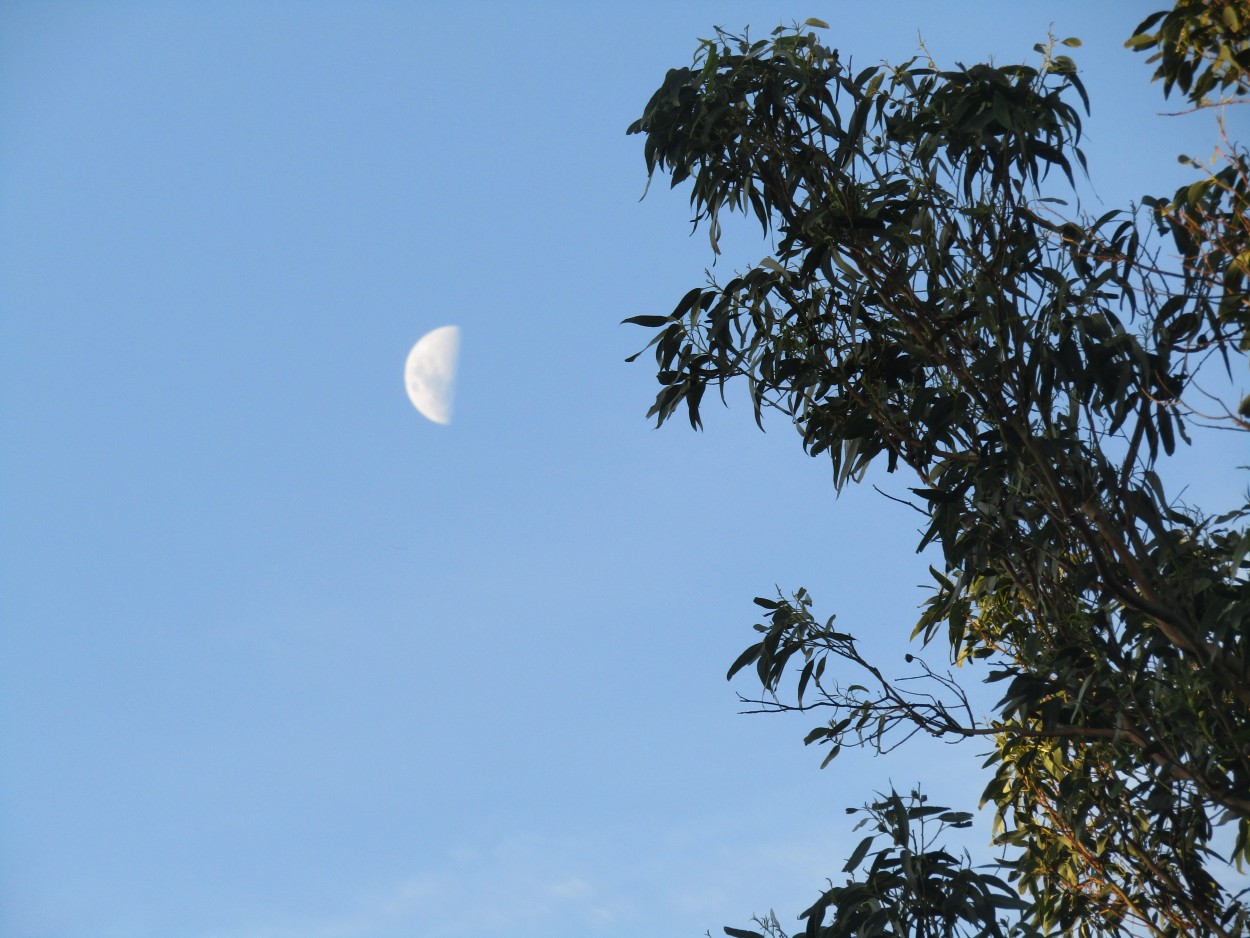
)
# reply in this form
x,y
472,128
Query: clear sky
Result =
x,y
280,658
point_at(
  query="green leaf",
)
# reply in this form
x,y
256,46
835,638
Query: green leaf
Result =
x,y
649,321
744,659
803,679
858,854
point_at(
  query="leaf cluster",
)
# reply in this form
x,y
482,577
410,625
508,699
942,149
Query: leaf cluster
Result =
x,y
1201,46
907,884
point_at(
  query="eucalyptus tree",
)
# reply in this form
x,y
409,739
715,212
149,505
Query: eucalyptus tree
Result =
x,y
933,303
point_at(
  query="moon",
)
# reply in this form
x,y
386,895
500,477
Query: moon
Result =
x,y
430,373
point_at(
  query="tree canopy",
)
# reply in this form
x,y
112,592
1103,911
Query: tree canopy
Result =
x,y
933,302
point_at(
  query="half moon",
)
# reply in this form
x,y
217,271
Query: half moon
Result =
x,y
430,373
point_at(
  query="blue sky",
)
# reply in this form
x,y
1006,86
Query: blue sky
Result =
x,y
281,658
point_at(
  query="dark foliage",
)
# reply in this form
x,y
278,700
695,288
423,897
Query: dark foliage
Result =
x,y
932,304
